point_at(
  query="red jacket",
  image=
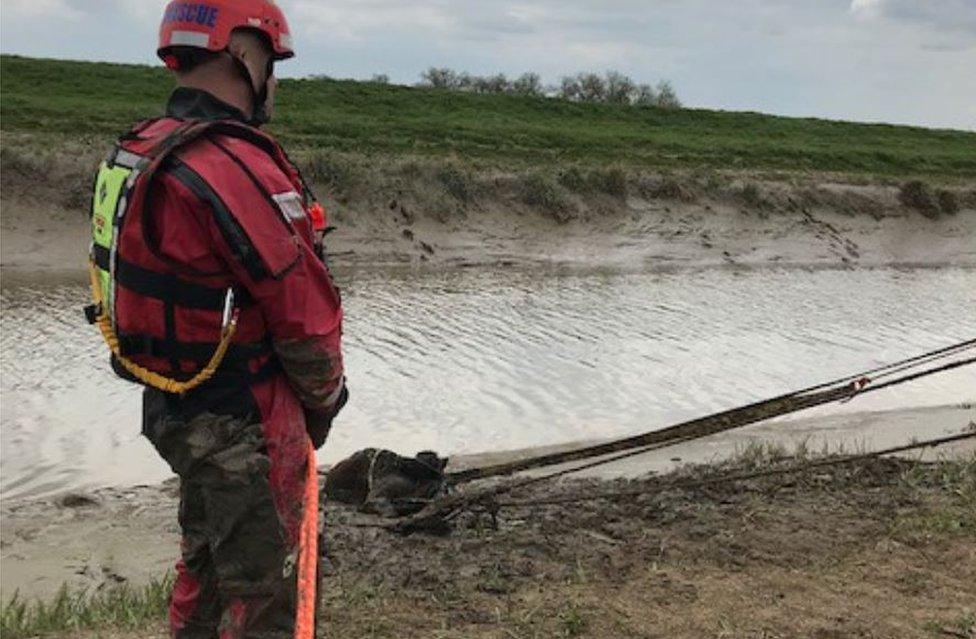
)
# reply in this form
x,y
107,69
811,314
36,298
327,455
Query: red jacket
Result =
x,y
225,210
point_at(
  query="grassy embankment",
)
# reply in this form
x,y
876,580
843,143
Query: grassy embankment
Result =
x,y
364,145
47,101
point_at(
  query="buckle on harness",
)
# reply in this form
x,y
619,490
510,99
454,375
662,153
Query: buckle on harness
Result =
x,y
229,316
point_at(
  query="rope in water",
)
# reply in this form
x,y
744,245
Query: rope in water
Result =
x,y
769,472
844,388
486,502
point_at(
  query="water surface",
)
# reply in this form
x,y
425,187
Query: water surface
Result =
x,y
484,359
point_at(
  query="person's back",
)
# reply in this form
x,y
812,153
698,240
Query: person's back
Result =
x,y
212,293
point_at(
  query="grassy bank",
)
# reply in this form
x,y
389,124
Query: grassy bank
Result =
x,y
44,99
120,608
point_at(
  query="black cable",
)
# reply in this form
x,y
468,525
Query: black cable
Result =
x,y
932,443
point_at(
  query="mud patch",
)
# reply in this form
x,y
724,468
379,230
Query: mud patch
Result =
x,y
836,552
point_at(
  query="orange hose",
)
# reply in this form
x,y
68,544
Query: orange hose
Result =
x,y
308,553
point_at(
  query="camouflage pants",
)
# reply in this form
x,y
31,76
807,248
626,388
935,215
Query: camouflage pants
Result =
x,y
236,578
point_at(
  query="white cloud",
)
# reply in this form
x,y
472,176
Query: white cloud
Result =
x,y
940,15
866,8
58,9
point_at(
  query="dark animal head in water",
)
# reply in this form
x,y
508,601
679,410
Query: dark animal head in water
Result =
x,y
383,482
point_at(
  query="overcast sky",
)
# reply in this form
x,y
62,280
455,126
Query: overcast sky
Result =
x,y
901,61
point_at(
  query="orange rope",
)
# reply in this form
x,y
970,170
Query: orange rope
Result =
x,y
308,553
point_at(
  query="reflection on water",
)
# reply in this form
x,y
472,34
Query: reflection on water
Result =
x,y
472,360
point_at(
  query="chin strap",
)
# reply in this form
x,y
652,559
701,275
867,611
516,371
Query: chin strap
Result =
x,y
259,115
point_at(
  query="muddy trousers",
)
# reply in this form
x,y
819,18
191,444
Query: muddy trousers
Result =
x,y
237,575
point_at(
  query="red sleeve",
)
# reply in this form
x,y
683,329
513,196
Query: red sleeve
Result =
x,y
298,301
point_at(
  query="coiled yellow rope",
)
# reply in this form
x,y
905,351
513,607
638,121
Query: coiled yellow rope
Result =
x,y
144,375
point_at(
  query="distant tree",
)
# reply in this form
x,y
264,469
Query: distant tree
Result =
x,y
569,89
380,78
497,83
438,78
592,88
644,95
611,88
619,89
666,96
464,81
528,84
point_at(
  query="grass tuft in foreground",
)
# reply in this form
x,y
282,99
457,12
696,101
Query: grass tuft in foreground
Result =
x,y
122,607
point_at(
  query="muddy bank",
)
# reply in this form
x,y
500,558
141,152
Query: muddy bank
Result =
x,y
883,548
452,214
129,535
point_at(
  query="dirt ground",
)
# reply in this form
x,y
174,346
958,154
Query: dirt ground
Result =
x,y
879,549
882,549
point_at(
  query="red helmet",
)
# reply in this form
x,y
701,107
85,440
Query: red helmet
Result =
x,y
207,24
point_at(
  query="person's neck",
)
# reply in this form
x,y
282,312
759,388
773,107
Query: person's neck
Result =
x,y
234,92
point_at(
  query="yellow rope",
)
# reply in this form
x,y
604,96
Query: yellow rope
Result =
x,y
144,375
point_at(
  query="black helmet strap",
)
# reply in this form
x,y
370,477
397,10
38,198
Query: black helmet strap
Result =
x,y
259,97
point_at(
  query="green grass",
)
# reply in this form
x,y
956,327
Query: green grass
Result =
x,y
962,626
51,98
956,516
123,607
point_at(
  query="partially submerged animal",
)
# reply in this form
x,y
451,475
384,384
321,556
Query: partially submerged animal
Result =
x,y
382,482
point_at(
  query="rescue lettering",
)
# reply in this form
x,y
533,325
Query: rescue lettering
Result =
x,y
202,14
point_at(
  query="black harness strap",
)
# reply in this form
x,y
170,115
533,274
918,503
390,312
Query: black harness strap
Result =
x,y
164,286
238,355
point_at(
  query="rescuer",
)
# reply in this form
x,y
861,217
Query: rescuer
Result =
x,y
210,291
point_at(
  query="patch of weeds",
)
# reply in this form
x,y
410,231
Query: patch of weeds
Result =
x,y
956,477
579,576
968,199
494,581
541,191
610,181
123,607
21,164
331,170
573,179
410,169
457,182
953,516
962,626
68,179
363,594
572,621
948,202
916,195
757,454
751,196
670,189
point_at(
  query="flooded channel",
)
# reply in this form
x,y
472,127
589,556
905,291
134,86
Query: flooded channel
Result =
x,y
472,360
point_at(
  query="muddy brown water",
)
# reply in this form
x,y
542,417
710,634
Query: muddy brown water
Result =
x,y
472,360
